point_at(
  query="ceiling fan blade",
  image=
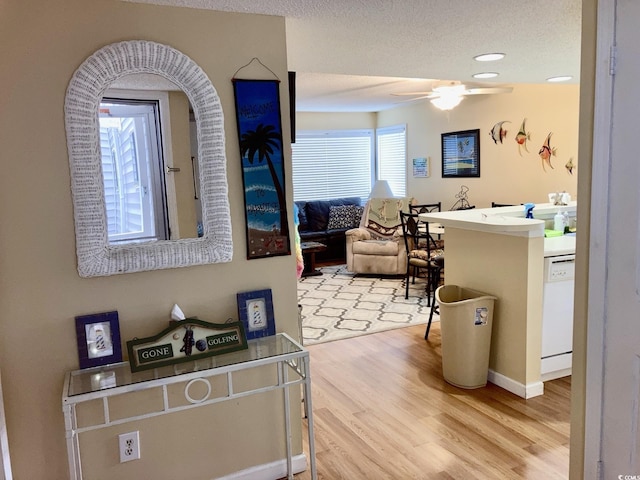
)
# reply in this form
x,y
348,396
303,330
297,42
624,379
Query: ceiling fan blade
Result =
x,y
414,99
411,94
487,90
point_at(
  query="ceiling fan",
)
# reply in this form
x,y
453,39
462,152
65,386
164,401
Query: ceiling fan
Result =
x,y
447,95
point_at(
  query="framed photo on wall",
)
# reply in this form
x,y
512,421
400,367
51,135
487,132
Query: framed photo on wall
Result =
x,y
461,154
255,310
98,337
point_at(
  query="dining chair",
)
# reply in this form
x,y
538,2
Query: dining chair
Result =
x,y
422,254
428,208
438,262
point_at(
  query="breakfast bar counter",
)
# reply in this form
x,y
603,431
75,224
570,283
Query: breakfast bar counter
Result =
x,y
499,252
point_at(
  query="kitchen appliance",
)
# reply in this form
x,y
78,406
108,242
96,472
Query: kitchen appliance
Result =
x,y
557,316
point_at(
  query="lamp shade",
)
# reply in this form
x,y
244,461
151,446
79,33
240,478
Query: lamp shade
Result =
x,y
381,189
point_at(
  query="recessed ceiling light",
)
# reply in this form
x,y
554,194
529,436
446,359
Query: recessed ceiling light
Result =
x,y
562,78
485,75
489,57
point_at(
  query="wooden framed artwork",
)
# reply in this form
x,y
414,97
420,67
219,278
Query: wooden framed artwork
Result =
x,y
98,337
461,154
255,310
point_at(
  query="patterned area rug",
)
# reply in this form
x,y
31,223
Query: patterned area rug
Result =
x,y
339,304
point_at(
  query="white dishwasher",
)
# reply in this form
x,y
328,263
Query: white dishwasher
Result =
x,y
557,316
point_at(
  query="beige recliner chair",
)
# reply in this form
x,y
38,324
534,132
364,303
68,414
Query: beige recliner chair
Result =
x,y
377,246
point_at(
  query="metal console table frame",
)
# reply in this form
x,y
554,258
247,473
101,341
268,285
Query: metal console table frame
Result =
x,y
116,379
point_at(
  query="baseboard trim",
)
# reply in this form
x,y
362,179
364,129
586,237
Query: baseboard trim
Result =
x,y
269,471
529,390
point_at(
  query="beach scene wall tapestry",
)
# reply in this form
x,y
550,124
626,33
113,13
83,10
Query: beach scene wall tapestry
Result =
x,y
260,138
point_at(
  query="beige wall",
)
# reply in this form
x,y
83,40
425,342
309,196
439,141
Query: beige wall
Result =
x,y
335,121
41,44
506,177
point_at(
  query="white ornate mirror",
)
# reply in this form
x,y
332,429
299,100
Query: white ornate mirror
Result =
x,y
96,257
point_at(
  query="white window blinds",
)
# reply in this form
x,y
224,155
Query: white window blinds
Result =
x,y
332,163
392,157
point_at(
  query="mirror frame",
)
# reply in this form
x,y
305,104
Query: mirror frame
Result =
x,y
96,257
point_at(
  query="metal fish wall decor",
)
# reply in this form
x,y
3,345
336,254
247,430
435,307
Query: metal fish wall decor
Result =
x,y
498,133
522,137
546,152
570,166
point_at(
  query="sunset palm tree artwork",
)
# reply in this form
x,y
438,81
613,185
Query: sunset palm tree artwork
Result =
x,y
260,139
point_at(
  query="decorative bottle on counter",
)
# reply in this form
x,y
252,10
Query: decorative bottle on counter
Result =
x,y
559,221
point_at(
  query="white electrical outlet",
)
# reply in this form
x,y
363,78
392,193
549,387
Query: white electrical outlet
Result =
x,y
129,446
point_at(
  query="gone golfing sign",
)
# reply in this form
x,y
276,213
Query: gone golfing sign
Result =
x,y
183,341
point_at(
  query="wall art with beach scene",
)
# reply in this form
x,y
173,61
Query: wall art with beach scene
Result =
x,y
260,137
461,154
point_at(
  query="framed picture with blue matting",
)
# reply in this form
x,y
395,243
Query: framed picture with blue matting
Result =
x,y
255,310
98,337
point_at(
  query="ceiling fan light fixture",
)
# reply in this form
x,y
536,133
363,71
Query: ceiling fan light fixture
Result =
x,y
485,75
489,57
447,102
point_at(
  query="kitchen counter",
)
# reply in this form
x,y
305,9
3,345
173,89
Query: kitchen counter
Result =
x,y
504,220
499,252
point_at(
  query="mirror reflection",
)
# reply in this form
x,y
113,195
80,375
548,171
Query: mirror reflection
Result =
x,y
98,74
148,147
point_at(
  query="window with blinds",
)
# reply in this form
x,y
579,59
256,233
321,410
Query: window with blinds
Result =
x,y
332,163
391,146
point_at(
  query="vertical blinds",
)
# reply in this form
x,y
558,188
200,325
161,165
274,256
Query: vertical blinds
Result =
x,y
331,164
392,157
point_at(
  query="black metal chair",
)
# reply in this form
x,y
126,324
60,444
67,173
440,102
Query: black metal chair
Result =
x,y
428,208
438,261
421,253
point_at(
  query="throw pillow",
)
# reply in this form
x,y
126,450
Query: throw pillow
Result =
x,y
340,216
358,211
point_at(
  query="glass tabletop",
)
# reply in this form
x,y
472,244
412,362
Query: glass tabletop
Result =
x,y
119,374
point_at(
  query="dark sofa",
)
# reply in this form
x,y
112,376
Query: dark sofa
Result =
x,y
313,217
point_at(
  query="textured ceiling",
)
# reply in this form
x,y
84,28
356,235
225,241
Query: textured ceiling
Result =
x,y
413,39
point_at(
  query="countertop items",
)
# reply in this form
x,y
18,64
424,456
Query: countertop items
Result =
x,y
504,220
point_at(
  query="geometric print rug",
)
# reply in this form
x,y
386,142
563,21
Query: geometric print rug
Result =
x,y
339,304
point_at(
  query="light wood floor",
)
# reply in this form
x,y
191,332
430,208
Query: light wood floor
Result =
x,y
383,411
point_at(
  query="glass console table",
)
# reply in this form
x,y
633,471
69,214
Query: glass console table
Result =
x,y
100,383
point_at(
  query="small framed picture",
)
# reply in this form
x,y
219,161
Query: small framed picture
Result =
x,y
255,310
98,338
